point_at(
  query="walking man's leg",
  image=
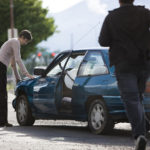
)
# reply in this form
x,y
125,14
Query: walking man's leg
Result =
x,y
143,77
129,89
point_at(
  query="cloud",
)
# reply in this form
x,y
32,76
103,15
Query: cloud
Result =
x,y
98,6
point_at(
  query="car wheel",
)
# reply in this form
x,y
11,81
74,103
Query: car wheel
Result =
x,y
23,112
99,121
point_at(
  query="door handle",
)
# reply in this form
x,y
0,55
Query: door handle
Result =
x,y
53,82
75,84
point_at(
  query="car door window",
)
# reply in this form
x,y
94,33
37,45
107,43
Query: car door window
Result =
x,y
57,70
71,69
93,64
74,62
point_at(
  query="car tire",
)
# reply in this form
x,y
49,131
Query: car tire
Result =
x,y
23,112
99,121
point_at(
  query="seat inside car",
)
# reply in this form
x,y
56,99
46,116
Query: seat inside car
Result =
x,y
69,80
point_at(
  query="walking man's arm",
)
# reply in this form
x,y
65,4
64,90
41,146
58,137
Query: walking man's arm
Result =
x,y
149,18
105,36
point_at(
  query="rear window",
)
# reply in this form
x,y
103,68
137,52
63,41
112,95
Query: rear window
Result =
x,y
93,64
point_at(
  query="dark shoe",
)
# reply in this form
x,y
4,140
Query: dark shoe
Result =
x,y
2,124
141,143
6,125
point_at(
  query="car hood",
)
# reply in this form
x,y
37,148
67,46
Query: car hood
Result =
x,y
27,82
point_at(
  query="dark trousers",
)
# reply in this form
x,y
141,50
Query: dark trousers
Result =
x,y
132,87
3,94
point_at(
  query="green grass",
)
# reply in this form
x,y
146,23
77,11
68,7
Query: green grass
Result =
x,y
10,87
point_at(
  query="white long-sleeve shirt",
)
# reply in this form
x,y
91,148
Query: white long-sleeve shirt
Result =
x,y
10,53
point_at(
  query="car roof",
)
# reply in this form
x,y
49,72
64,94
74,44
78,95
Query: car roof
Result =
x,y
85,49
103,50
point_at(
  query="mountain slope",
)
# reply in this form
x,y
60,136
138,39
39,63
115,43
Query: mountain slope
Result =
x,y
78,26
73,24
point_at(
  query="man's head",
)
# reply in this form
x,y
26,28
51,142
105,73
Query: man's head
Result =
x,y
126,1
25,37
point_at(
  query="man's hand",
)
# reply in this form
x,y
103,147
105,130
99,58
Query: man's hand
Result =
x,y
17,81
30,76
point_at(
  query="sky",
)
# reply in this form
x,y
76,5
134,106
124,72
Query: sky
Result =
x,y
99,6
56,6
88,30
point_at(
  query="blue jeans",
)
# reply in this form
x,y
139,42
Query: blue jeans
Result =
x,y
132,87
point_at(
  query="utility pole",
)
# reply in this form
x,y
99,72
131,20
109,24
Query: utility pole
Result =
x,y
12,18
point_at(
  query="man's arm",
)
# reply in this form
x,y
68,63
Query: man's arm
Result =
x,y
105,36
18,60
14,67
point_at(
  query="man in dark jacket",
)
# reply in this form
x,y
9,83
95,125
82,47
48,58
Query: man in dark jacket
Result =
x,y
126,30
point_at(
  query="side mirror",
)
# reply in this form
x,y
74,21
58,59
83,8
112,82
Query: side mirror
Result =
x,y
39,70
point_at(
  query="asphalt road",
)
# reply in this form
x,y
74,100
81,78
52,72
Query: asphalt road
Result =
x,y
62,135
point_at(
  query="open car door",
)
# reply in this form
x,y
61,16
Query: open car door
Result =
x,y
47,91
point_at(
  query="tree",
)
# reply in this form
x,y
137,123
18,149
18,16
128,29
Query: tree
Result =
x,y
28,14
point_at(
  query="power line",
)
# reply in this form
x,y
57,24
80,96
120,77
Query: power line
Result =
x,y
87,33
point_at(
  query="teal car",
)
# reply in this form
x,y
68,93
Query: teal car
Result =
x,y
77,85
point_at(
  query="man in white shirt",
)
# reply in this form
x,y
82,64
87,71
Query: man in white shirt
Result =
x,y
10,54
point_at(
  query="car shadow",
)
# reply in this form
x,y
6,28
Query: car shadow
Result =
x,y
76,134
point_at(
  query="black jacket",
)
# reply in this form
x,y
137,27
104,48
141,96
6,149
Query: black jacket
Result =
x,y
126,30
